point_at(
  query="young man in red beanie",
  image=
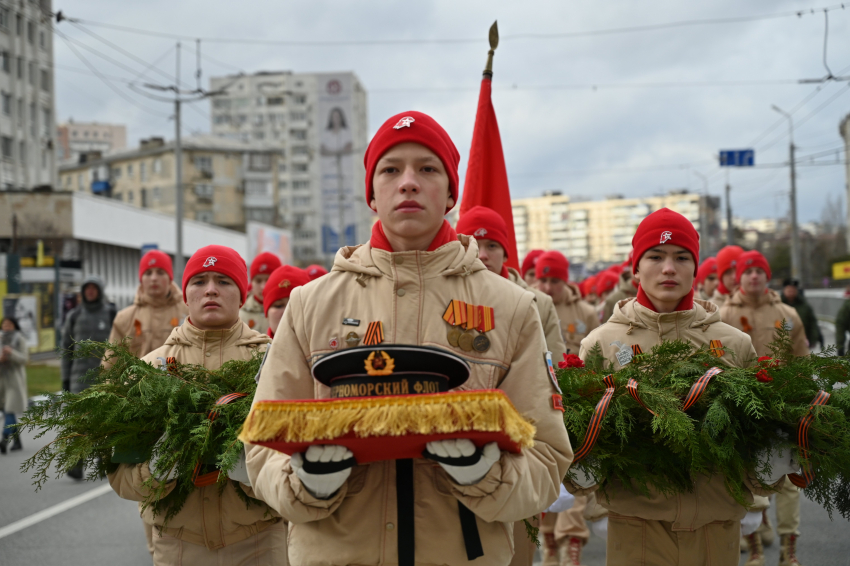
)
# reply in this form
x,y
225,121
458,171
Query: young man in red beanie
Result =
x,y
758,311
698,528
626,288
606,283
396,289
707,281
528,265
214,526
490,233
315,271
277,291
577,318
252,311
157,309
727,264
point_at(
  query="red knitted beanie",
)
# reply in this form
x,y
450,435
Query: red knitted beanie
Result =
x,y
665,227
315,271
264,263
414,127
727,259
484,223
218,259
552,264
751,259
706,268
530,261
281,283
156,258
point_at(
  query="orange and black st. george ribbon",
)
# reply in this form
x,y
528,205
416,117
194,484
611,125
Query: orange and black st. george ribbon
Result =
x,y
804,479
374,333
632,387
596,420
716,348
636,350
698,388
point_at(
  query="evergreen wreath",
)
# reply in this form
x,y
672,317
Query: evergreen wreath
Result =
x,y
741,412
136,409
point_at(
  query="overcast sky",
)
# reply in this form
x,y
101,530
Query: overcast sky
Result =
x,y
620,139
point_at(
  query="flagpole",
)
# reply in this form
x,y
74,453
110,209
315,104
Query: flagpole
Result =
x,y
494,43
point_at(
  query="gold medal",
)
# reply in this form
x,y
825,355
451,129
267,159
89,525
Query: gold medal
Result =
x,y
453,335
352,339
465,342
481,343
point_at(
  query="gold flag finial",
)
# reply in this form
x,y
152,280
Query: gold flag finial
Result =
x,y
494,43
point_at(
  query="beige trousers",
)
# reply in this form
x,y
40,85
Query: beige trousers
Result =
x,y
788,509
267,548
637,542
149,536
563,526
524,547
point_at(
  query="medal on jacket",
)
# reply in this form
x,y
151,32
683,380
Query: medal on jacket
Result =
x,y
462,315
352,339
624,353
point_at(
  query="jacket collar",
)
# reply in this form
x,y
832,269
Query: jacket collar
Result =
x,y
252,304
187,334
459,257
630,313
741,299
571,295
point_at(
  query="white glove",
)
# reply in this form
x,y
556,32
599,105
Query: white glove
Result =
x,y
464,448
582,478
600,528
172,473
322,486
782,461
240,470
565,501
750,523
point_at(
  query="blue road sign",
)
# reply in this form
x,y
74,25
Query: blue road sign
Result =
x,y
737,157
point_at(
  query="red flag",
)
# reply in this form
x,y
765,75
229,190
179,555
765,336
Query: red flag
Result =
x,y
486,182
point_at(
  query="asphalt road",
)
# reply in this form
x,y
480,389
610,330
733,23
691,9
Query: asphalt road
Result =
x,y
107,529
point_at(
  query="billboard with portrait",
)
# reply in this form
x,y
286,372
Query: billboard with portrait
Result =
x,y
265,238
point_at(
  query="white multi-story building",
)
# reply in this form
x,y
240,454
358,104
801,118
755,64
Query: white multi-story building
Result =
x,y
74,138
600,231
26,95
319,122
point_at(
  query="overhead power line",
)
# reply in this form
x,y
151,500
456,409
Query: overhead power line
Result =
x,y
477,40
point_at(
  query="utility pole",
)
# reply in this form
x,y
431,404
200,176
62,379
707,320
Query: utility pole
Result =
x,y
795,235
703,216
193,95
730,233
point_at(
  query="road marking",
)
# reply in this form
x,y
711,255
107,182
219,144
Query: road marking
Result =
x,y
55,510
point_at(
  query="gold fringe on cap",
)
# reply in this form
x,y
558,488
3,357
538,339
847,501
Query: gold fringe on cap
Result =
x,y
439,413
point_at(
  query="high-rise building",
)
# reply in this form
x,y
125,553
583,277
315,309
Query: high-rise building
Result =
x,y
600,231
319,122
26,95
75,138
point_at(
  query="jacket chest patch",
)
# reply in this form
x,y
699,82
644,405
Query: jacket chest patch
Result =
x,y
578,327
137,325
788,322
624,352
251,323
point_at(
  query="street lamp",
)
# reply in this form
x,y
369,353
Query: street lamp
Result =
x,y
795,238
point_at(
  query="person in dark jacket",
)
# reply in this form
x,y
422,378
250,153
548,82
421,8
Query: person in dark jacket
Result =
x,y
792,296
14,355
90,320
842,325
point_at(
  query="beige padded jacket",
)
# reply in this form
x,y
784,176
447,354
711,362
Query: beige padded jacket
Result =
x,y
409,292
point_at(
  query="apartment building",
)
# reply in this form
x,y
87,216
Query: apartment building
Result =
x,y
26,95
75,138
600,231
226,182
319,122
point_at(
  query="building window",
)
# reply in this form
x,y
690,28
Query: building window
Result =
x,y
31,32
45,80
299,167
130,197
116,172
6,144
259,162
143,201
129,170
298,134
204,191
157,166
274,101
33,120
298,116
157,194
301,201
204,165
300,184
45,112
7,103
207,216
67,178
20,111
80,182
4,17
300,150
20,67
300,99
143,172
42,41
32,72
19,24
6,60
22,155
